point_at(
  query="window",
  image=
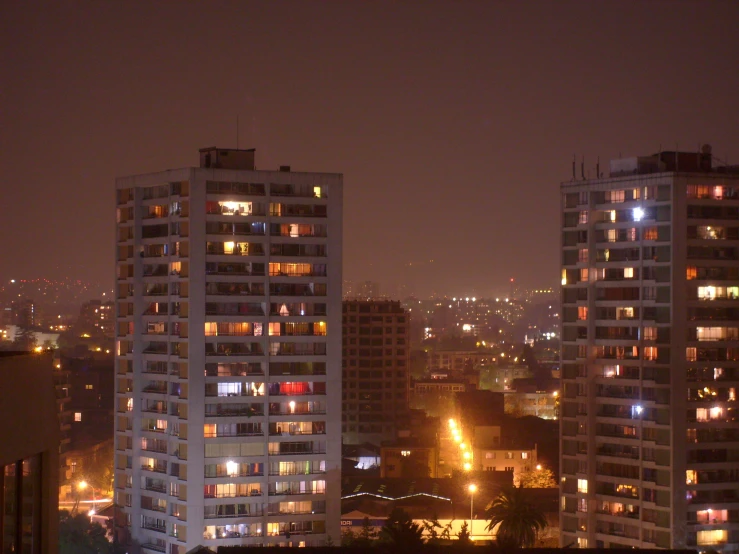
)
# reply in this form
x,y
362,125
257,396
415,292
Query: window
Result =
x,y
650,233
509,455
582,486
88,387
489,455
582,312
583,218
524,455
628,273
691,272
714,536
78,416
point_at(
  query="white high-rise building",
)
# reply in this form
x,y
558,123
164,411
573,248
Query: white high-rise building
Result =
x,y
228,362
650,355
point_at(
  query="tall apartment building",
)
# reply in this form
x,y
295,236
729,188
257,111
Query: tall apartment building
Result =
x,y
228,324
650,355
376,370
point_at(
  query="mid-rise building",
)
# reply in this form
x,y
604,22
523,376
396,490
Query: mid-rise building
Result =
x,y
96,315
228,355
376,364
650,358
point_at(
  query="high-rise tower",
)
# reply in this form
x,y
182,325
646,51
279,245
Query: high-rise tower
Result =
x,y
228,361
650,355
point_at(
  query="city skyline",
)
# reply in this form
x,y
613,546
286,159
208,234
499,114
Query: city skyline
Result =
x,y
454,122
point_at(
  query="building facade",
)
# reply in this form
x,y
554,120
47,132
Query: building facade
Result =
x,y
376,370
228,332
650,358
29,454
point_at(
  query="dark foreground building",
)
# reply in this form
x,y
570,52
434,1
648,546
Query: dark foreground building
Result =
x,y
29,454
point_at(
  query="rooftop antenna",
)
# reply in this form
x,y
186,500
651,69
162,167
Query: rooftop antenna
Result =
x,y
597,168
582,168
237,131
574,176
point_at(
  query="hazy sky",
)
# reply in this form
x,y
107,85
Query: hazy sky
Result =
x,y
453,122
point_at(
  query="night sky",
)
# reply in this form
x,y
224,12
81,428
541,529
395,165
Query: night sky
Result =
x,y
453,122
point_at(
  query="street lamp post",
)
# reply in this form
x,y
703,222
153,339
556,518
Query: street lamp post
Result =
x,y
472,489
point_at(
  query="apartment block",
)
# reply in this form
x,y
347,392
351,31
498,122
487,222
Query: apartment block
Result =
x,y
376,370
29,454
228,355
650,355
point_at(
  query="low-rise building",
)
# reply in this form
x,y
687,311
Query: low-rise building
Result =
x,y
409,458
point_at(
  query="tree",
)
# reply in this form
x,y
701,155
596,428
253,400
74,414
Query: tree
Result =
x,y
78,535
431,526
25,339
402,531
364,538
464,535
516,519
537,479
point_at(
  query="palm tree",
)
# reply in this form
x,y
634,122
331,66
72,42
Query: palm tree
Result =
x,y
517,520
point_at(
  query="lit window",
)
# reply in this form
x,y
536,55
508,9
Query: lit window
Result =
x,y
88,387
690,477
524,455
650,233
583,218
317,192
714,536
78,416
628,273
582,312
582,485
405,452
691,272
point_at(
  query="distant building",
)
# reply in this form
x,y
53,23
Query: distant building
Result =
x,y
97,315
491,452
457,360
376,370
92,399
541,404
409,458
29,454
23,313
442,386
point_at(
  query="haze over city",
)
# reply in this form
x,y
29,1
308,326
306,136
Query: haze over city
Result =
x,y
452,122
422,275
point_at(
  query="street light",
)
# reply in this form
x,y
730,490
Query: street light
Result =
x,y
472,488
